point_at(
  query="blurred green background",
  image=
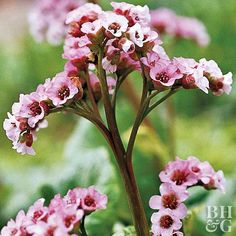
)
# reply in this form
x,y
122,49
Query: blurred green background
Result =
x,y
72,153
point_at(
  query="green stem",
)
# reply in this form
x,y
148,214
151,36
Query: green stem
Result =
x,y
82,227
134,198
91,96
154,105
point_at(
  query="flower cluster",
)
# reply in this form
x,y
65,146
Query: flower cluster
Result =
x,y
47,19
177,177
166,21
108,44
121,33
63,216
165,73
28,114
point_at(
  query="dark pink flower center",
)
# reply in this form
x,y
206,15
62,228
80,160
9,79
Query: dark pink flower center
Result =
x,y
170,201
195,169
69,220
63,92
37,214
89,201
114,26
35,109
163,77
166,222
179,176
137,36
27,138
14,232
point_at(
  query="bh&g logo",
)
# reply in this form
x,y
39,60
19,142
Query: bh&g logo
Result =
x,y
219,217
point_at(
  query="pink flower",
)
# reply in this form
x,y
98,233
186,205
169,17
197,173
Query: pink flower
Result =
x,y
31,107
92,200
62,89
209,178
114,24
111,60
108,66
42,89
47,19
191,28
11,126
165,223
140,14
136,34
210,68
163,20
171,198
17,227
194,74
222,85
164,73
86,13
53,226
219,83
121,7
25,142
91,28
76,49
135,14
70,69
178,172
127,46
38,211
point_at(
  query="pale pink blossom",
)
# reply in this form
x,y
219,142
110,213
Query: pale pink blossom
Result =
x,y
160,51
136,34
115,24
17,227
85,13
190,28
193,74
92,200
140,14
76,49
91,28
127,45
70,69
47,19
222,85
178,172
62,89
31,107
209,178
210,68
135,14
53,226
164,73
37,211
171,198
163,20
11,126
108,66
24,144
165,223
121,7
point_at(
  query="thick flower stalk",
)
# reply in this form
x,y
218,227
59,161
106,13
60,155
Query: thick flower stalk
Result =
x,y
64,216
102,48
176,178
